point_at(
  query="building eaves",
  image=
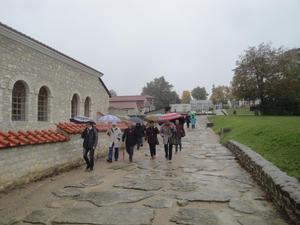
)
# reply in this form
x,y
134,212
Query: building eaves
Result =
x,y
106,89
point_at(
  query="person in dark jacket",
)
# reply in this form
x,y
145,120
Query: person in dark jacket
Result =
x,y
130,138
90,136
188,120
140,132
151,137
180,133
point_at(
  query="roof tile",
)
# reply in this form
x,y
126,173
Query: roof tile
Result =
x,y
73,128
30,137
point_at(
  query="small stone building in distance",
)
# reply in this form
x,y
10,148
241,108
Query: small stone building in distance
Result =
x,y
40,86
131,105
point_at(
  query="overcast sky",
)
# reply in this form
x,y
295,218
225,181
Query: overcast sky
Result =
x,y
190,42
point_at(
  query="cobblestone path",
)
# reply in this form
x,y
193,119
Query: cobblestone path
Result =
x,y
203,185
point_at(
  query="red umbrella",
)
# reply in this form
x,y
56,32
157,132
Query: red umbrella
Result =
x,y
169,116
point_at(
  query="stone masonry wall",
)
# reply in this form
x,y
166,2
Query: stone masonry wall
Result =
x,y
282,189
24,164
35,69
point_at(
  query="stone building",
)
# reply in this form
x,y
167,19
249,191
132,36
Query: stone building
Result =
x,y
201,105
131,105
180,108
40,86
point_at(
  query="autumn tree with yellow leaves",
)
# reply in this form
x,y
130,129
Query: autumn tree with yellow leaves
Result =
x,y
186,97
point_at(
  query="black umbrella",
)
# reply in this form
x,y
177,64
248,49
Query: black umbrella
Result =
x,y
81,119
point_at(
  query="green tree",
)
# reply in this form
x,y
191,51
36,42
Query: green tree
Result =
x,y
270,75
162,92
284,94
254,71
220,94
199,93
186,97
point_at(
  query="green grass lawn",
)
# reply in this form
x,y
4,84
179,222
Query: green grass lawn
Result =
x,y
244,111
276,138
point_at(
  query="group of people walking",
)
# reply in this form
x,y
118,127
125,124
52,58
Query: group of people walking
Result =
x,y
134,135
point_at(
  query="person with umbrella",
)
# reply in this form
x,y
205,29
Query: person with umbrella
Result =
x,y
151,137
168,132
115,135
180,133
130,139
140,131
90,136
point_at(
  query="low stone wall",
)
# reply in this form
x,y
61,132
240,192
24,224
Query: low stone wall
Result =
x,y
282,189
24,164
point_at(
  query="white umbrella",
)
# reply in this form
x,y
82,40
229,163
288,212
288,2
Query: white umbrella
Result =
x,y
108,119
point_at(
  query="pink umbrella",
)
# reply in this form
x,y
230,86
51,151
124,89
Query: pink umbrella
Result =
x,y
169,116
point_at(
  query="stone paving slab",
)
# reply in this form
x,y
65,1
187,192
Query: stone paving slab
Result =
x,y
113,197
184,186
42,216
96,216
68,192
125,167
195,216
207,195
159,203
92,181
241,206
142,184
105,216
247,220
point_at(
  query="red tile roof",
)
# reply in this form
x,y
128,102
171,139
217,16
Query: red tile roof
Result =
x,y
130,98
19,138
123,105
73,128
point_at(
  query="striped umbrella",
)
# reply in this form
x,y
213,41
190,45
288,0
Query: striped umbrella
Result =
x,y
169,117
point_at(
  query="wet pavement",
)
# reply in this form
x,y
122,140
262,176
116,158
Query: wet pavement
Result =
x,y
203,184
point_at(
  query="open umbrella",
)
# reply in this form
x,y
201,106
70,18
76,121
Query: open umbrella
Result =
x,y
192,113
136,119
81,119
153,117
169,117
108,119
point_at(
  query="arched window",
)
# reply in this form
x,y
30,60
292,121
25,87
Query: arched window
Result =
x,y
43,104
87,107
75,105
18,102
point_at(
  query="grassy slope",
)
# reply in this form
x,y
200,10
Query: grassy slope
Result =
x,y
241,111
275,138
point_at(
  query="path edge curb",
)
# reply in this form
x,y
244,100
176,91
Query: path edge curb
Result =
x,y
282,189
